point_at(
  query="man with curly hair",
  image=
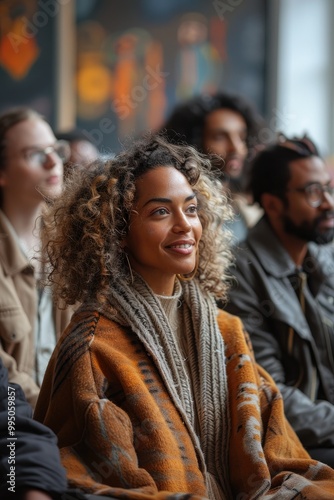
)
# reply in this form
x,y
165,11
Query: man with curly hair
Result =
x,y
226,127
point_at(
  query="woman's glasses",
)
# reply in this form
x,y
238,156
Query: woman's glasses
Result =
x,y
37,157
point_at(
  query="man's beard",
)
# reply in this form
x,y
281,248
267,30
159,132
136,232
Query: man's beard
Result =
x,y
310,232
235,184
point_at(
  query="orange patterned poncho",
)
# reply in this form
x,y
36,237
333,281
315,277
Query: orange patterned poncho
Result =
x,y
121,435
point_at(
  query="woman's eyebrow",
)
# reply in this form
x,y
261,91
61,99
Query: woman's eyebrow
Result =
x,y
167,200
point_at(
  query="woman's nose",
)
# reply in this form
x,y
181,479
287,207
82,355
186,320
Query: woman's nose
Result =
x,y
182,223
51,159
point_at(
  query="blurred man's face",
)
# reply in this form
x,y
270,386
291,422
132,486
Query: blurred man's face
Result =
x,y
300,219
225,134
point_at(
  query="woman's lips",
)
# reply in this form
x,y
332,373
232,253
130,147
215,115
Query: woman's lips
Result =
x,y
183,248
53,180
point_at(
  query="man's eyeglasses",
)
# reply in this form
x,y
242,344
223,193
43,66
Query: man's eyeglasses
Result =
x,y
314,193
39,156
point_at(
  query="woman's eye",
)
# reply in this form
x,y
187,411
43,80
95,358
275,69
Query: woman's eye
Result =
x,y
160,211
193,209
36,156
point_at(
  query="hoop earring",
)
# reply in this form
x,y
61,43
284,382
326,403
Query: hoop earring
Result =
x,y
190,276
129,266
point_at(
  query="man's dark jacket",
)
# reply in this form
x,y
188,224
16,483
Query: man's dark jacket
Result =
x,y
296,348
27,446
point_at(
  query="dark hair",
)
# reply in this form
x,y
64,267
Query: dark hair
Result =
x,y
85,227
270,172
74,135
187,121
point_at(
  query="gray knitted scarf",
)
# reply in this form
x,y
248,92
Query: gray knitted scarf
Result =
x,y
138,308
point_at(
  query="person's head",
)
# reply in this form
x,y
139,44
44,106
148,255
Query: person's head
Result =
x,y
223,124
83,150
292,183
153,209
31,160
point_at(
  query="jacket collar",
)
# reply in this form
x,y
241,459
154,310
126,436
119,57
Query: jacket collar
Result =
x,y
277,262
12,258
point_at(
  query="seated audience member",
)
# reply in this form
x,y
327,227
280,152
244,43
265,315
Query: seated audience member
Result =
x,y
83,151
30,467
31,172
153,392
284,286
226,126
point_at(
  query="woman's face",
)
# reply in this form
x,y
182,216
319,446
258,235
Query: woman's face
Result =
x,y
164,228
24,179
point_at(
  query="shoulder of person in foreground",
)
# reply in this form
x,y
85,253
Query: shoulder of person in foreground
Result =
x,y
29,457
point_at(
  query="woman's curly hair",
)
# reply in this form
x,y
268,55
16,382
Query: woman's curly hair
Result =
x,y
86,225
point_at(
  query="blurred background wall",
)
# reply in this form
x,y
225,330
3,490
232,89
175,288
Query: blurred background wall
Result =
x,y
117,67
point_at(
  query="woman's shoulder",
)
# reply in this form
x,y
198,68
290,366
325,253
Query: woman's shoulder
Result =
x,y
227,320
87,322
232,330
84,325
89,331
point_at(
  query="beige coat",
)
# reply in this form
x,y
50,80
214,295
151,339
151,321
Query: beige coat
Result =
x,y
18,310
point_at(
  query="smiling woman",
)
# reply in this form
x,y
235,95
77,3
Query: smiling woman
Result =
x,y
152,391
130,210
165,229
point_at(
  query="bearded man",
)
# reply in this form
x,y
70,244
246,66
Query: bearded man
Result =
x,y
284,287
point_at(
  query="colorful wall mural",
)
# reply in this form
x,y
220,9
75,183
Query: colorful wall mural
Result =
x,y
28,55
135,59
